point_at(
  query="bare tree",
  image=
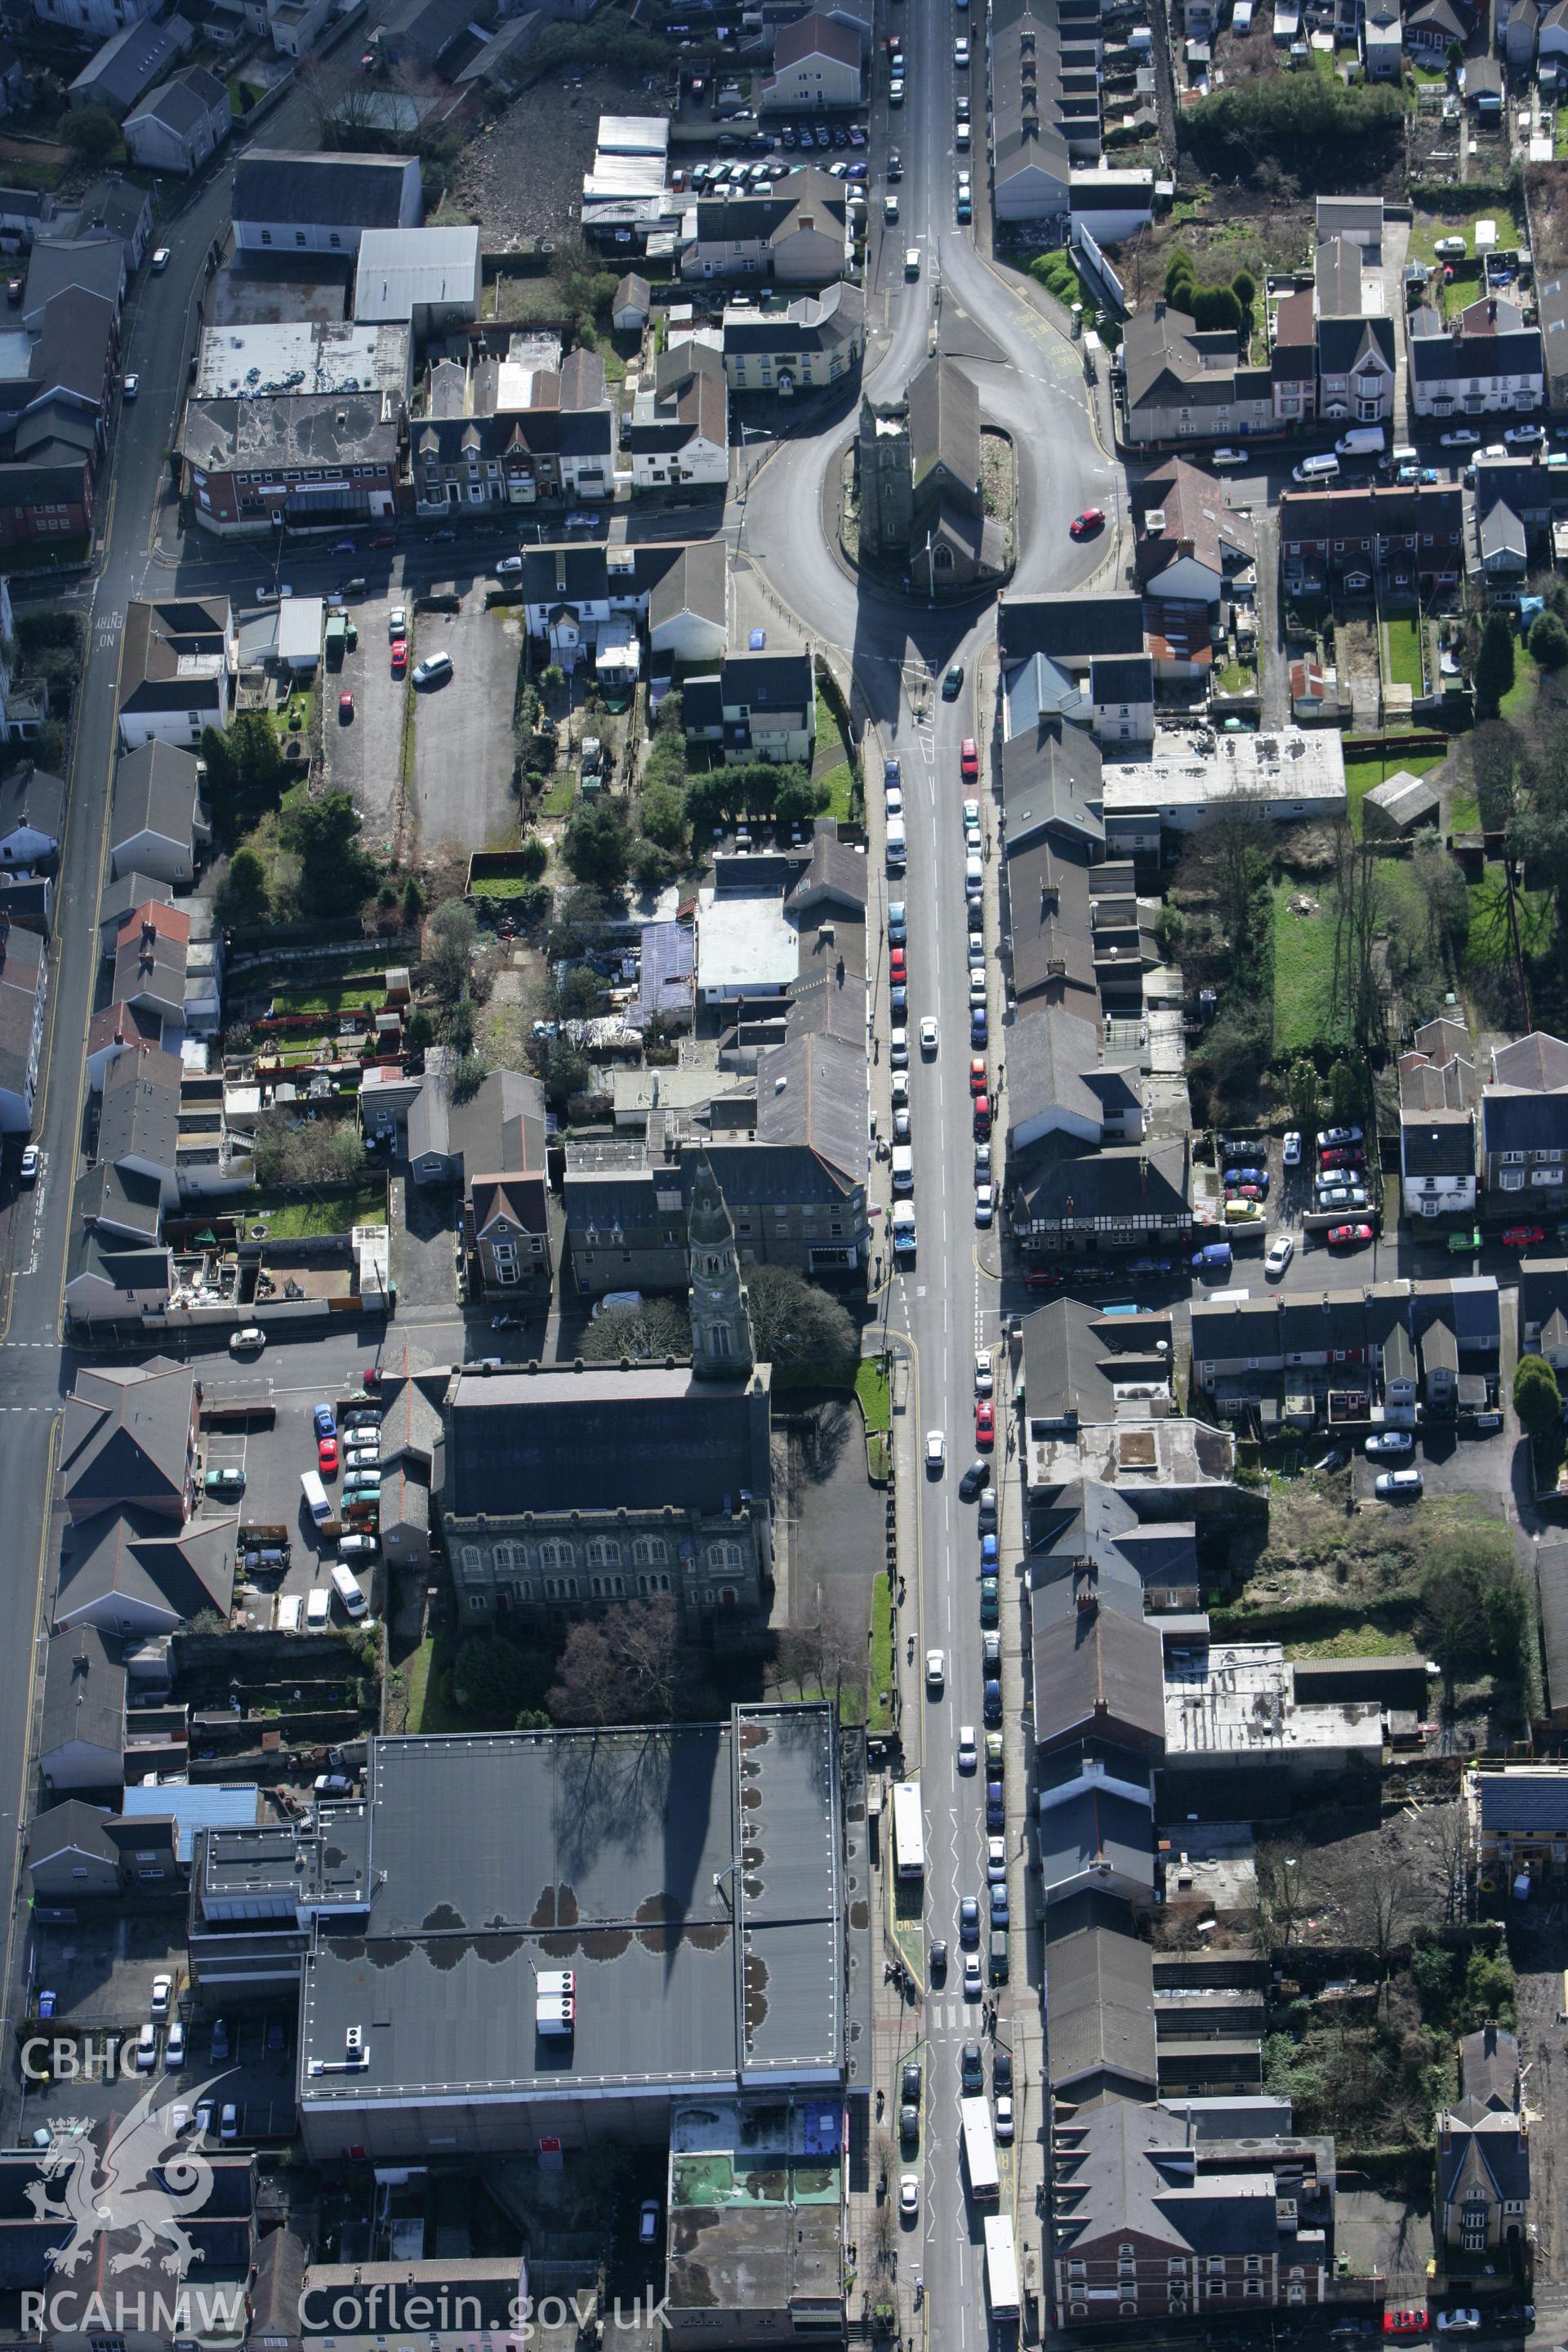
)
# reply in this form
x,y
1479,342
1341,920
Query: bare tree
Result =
x,y
1287,1890
1361,919
1448,1835
1382,1911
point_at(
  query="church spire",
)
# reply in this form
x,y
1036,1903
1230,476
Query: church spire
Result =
x,y
721,1329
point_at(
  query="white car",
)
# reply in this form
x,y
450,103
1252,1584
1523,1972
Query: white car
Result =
x,y
936,1451
160,260
1464,2323
1003,2119
889,208
896,90
899,1054
971,813
163,1994
961,53
1389,1442
973,1981
228,2124
246,1342
968,1755
936,1672
911,252
396,624
1460,438
1518,436
900,1089
1292,1154
1398,1485
174,2045
1279,1257
928,1033
509,563
985,1204
1447,247
132,386
983,1371
908,2195
895,801
1228,457
995,1861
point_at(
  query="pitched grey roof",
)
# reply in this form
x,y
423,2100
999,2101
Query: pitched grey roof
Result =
x,y
1098,1671
1059,1178
1051,782
1070,629
1438,1144
1096,1825
144,1560
120,1200
356,191
1102,2012
499,1130
95,263
1538,1062
156,791
695,583
1522,1800
822,1104
1049,1059
127,1437
603,1438
84,1693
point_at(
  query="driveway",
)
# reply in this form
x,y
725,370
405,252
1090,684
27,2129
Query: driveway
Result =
x,y
463,754
425,1240
364,756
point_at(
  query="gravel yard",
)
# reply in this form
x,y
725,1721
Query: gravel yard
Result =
x,y
522,175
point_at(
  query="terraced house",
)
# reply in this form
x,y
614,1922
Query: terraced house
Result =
x,y
1406,538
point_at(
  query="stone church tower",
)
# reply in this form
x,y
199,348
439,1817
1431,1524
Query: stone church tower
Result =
x,y
721,1346
887,478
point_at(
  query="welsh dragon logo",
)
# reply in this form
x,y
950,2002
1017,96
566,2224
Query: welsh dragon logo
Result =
x,y
121,2196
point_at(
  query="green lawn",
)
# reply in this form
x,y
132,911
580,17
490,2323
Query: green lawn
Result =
x,y
330,1212
1464,813
1490,941
1404,665
352,995
840,783
1516,702
872,1388
1353,1642
1428,227
1303,969
558,799
1375,768
880,1678
1236,678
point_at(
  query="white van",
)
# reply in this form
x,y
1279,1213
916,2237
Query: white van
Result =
x,y
345,1584
973,876
1362,441
288,1613
315,1495
1317,469
903,1168
318,1609
898,844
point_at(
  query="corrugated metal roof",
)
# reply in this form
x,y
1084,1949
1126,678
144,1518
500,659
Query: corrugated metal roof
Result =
x,y
223,1805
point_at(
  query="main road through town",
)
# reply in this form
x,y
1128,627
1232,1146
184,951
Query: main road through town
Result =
x,y
896,651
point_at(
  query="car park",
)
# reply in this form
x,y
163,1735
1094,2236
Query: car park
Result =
x,y
224,1482
327,1456
174,2045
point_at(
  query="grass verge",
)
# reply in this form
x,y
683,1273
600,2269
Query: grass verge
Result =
x,y
872,1388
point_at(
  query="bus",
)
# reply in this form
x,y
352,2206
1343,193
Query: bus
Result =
x,y
1000,2267
909,1831
979,2151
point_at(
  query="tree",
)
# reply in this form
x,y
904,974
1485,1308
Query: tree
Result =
x,y
1216,311
1440,885
243,895
245,772
567,1071
1181,276
1456,60
413,902
1306,1097
335,872
1361,924
1494,664
1244,286
493,1677
450,939
795,1321
661,812
1536,1397
1549,643
660,1326
799,797
1383,1910
595,845
316,1151
624,1667
652,866
91,132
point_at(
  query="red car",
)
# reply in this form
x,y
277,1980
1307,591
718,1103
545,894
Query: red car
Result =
x,y
382,538
897,970
1406,2323
1522,1237
345,707
1245,1193
1342,1155
982,1117
977,1080
399,656
1044,1277
1346,1236
968,760
327,1456
370,1378
984,1425
1085,525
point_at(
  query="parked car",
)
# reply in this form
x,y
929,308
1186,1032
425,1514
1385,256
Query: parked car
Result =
x,y
1280,1257
1348,1236
1293,1151
1330,1135
1389,1442
1087,523
1522,1237
248,1341
28,1171
1398,1485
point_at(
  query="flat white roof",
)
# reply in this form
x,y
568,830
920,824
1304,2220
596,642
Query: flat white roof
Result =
x,y
634,134
399,268
745,943
1292,765
300,620
244,362
623,175
1239,1698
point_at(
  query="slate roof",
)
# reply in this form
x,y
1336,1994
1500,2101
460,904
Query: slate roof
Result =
x,y
1050,1056
1121,677
498,1130
156,791
1399,510
602,1438
1050,783
70,1827
122,1201
127,1437
93,264
1448,359
816,36
1525,1801
1539,1061
1096,1825
1438,1144
1098,1671
1102,2012
1405,801
1344,343
141,1558
84,1693
1523,1121
1552,1589
21,981
1072,629
813,323
310,191
184,104
822,1105
1126,2174
1125,1181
